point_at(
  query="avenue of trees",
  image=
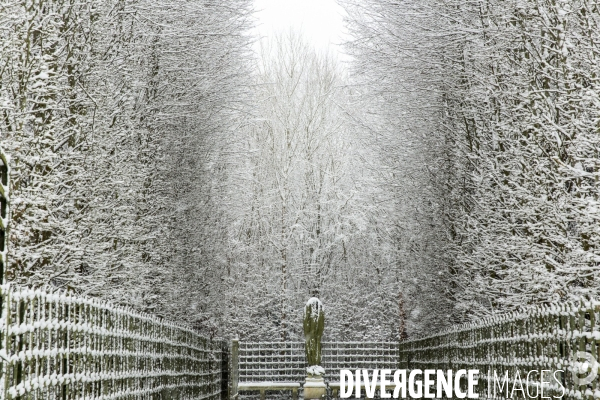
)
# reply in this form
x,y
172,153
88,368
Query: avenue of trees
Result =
x,y
448,171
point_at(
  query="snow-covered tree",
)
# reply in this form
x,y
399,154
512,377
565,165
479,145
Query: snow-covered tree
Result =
x,y
308,213
399,82
494,103
112,112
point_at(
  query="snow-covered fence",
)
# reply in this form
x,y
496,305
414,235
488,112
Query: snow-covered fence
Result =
x,y
358,355
286,362
541,338
61,346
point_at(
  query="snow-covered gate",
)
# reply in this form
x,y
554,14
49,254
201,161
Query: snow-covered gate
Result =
x,y
285,361
55,345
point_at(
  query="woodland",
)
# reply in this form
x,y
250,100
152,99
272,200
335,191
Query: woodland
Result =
x,y
448,171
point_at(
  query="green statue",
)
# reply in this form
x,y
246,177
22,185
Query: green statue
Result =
x,y
314,321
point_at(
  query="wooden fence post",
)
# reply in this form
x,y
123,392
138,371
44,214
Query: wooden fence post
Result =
x,y
4,212
4,296
234,372
225,373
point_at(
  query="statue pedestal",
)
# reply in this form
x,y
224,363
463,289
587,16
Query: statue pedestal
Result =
x,y
315,388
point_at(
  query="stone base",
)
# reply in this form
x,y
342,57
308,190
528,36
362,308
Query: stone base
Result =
x,y
315,388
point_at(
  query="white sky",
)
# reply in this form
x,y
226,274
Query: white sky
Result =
x,y
320,21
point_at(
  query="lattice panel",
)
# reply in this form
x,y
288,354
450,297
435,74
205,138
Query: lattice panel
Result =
x,y
59,346
271,362
358,355
545,337
279,361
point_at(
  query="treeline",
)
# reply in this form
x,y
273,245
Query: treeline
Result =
x,y
491,113
158,163
115,114
309,216
451,173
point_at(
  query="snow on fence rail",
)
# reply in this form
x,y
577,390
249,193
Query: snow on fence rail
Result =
x,y
544,337
286,362
60,346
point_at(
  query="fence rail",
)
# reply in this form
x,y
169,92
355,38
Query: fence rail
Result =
x,y
541,338
59,346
